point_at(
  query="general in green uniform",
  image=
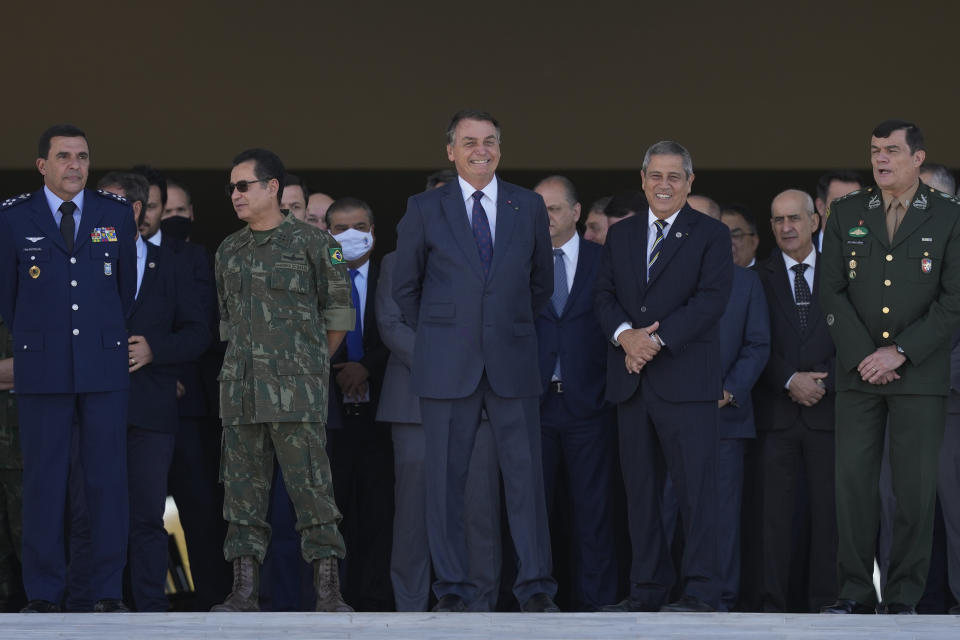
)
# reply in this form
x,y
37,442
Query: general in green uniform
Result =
x,y
283,293
11,482
891,293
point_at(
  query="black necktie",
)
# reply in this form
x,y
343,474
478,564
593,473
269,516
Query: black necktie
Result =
x,y
481,233
67,226
801,292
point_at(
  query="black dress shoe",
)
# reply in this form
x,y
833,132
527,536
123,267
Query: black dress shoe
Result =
x,y
539,603
110,605
687,604
41,606
846,606
895,608
450,603
628,606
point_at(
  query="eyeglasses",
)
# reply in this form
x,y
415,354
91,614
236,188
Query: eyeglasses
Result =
x,y
738,234
242,186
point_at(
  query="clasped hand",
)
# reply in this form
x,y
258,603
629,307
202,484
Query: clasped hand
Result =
x,y
639,346
880,366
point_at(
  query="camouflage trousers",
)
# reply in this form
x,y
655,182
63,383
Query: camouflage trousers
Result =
x,y
11,535
246,470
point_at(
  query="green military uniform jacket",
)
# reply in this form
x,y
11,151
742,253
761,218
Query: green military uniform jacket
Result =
x,y
9,430
278,297
876,293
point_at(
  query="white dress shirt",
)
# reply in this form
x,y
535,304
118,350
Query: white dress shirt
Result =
x,y
788,262
488,202
156,238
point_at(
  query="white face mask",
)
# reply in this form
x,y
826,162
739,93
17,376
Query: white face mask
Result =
x,y
355,243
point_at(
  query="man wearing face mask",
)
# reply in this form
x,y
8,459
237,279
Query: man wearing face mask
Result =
x,y
176,221
360,448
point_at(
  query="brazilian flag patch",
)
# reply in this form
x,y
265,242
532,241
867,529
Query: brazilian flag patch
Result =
x,y
336,256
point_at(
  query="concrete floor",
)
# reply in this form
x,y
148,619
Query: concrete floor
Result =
x,y
498,626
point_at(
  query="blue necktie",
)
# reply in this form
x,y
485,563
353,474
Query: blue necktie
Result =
x,y
481,234
355,337
560,294
657,245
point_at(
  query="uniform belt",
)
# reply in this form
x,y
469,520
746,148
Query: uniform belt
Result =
x,y
556,386
352,409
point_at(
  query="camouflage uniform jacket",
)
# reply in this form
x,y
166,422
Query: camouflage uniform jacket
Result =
x,y
9,434
278,297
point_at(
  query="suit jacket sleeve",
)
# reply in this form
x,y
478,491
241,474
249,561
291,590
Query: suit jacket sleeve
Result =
x,y
755,344
610,313
394,331
189,336
541,278
688,322
127,262
375,353
410,261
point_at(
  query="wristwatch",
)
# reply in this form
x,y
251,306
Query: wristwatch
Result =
x,y
900,349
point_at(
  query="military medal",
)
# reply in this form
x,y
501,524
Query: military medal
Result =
x,y
926,265
107,269
853,264
34,272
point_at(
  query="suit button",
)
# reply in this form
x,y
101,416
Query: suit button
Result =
x,y
886,334
887,283
889,258
33,257
75,307
76,332
643,309
73,260
73,283
853,253
885,309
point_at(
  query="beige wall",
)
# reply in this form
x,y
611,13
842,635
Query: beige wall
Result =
x,y
371,85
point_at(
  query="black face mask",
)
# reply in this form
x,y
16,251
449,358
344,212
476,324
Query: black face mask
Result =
x,y
176,227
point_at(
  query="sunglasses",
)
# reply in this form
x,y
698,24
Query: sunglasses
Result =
x,y
241,186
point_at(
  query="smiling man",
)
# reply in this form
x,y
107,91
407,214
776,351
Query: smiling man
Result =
x,y
474,268
891,295
663,284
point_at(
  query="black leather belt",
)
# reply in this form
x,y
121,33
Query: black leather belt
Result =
x,y
556,386
352,409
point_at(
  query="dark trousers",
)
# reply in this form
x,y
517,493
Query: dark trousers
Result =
x,y
659,437
584,449
194,484
148,462
361,463
450,428
46,431
729,500
916,425
787,457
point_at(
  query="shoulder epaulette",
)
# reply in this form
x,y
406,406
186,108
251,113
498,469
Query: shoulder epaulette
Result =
x,y
9,202
853,194
113,196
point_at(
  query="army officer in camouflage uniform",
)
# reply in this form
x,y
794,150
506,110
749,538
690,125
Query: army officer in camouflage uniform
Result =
x,y
284,307
890,287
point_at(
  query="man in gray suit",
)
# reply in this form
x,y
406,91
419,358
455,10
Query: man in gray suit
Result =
x,y
399,406
474,268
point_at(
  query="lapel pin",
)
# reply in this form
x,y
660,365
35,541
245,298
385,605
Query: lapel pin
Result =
x,y
679,234
152,265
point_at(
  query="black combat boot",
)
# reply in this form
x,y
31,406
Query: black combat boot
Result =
x,y
326,581
246,586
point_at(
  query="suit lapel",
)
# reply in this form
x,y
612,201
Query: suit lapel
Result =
x,y
508,208
584,263
640,262
149,275
783,289
456,214
673,236
43,218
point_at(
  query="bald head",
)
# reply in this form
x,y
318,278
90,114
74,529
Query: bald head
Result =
x,y
793,220
706,205
317,207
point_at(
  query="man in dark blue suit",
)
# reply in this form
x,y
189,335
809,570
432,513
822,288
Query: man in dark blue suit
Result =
x,y
67,281
167,328
664,282
474,268
576,423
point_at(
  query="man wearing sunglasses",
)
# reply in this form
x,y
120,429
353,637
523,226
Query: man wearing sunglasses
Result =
x,y
285,306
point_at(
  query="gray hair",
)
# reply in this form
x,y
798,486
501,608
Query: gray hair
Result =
x,y
940,177
669,148
804,197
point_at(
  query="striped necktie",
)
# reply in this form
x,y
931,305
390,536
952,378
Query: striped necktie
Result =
x,y
657,245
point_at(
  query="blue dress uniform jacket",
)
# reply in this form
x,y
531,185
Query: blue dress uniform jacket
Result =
x,y
68,312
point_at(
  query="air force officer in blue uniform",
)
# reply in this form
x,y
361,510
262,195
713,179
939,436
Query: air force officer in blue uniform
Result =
x,y
67,280
474,268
